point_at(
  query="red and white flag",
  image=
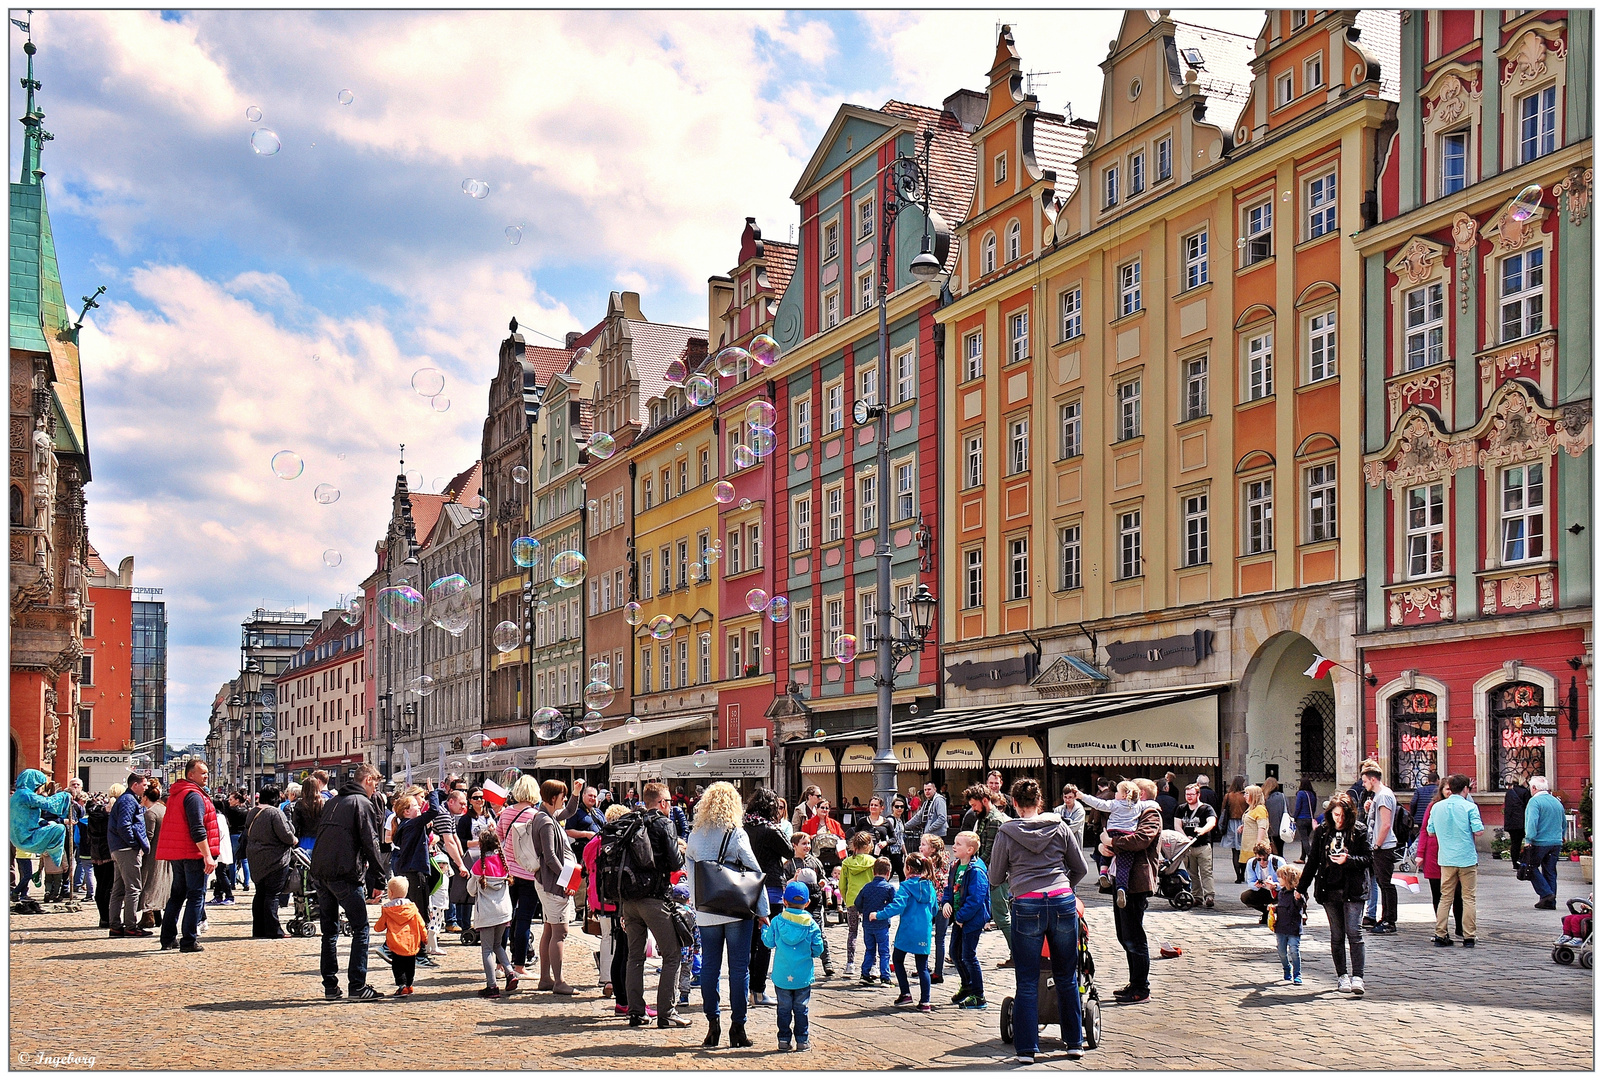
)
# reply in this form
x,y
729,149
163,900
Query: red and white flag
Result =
x,y
1407,881
1320,667
494,793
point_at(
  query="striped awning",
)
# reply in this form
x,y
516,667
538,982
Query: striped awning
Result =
x,y
1017,752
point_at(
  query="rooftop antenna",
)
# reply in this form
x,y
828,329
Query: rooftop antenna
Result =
x,y
1031,76
1068,110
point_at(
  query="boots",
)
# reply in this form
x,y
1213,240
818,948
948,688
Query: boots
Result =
x,y
711,1041
737,1035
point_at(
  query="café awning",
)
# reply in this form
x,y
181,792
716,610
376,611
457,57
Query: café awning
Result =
x,y
593,750
817,759
1184,732
733,763
1016,752
959,754
859,757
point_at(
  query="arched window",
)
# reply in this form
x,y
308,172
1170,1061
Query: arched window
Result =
x,y
1515,755
16,507
988,259
1413,739
1013,233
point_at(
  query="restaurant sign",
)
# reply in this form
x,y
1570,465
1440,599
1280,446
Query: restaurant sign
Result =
x,y
1184,650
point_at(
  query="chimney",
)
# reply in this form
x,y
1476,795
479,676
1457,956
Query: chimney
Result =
x,y
570,340
969,108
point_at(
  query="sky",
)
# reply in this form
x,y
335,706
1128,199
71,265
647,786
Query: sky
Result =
x,y
258,303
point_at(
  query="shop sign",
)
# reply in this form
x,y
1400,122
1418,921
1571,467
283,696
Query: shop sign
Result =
x,y
1539,725
970,675
1184,650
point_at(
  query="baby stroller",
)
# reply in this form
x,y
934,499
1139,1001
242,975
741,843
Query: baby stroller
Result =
x,y
1174,882
834,901
303,897
1575,943
1047,994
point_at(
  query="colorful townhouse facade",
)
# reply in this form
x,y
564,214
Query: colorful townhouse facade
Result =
x,y
1478,397
321,699
1154,503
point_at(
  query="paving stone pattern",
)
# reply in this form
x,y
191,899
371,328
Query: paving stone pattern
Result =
x,y
247,1004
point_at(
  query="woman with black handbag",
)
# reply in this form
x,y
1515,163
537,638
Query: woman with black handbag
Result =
x,y
727,893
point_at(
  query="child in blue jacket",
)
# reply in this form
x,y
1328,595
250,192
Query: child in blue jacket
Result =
x,y
873,897
968,904
796,939
915,929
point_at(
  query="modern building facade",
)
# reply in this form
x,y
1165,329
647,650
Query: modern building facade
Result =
x,y
1478,392
269,640
148,708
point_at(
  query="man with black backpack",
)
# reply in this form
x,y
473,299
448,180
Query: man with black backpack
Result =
x,y
638,853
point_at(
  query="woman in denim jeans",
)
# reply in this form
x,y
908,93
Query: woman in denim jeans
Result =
x,y
718,837
1036,856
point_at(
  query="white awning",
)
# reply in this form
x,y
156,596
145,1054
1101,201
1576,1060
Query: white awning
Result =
x,y
1180,733
959,754
1016,752
736,762
593,750
911,756
818,759
859,757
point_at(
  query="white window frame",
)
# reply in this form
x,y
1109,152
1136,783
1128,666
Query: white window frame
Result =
x,y
1537,131
973,461
1258,227
1452,181
1069,311
906,506
802,427
1018,325
1194,371
1321,338
905,363
865,290
1070,430
1070,557
1018,568
736,642
831,309
974,578
1319,502
645,576
1424,322
988,254
1425,537
1258,515
1130,288
834,624
834,407
866,223
1165,154
1313,72
868,501
1129,398
704,659
1129,536
733,551
645,670
999,168
834,513
1110,187
867,620
1138,173
1194,529
973,355
754,545
1285,89
868,382
831,244
1018,445
1320,195
1522,528
801,618
1526,299
1260,361
1015,241
1195,248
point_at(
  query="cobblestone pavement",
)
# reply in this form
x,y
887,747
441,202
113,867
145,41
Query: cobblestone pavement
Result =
x,y
244,1003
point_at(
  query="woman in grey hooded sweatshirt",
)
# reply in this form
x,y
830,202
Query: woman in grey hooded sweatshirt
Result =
x,y
1036,856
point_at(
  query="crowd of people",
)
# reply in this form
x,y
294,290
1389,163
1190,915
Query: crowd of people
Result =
x,y
733,893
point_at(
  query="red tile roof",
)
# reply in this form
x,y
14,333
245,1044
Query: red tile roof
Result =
x,y
655,346
780,258
952,162
547,362
425,512
464,486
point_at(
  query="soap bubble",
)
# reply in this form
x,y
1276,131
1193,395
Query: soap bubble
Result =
x,y
697,572
600,671
745,457
265,142
761,440
700,390
756,600
602,446
846,648
422,686
632,613
632,726
592,506
287,465
1526,203
543,606
592,726
548,724
346,97
913,709
1241,241
661,627
506,636
598,694
520,475
745,504
573,732
451,604
699,759
353,611
525,551
1285,196
778,609
818,733
764,350
675,373
428,381
514,234
728,361
760,413
475,189
332,558
568,569
326,494
723,492
253,114
402,607
510,775
440,403
341,457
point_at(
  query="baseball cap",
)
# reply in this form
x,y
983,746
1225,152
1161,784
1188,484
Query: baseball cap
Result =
x,y
681,891
796,894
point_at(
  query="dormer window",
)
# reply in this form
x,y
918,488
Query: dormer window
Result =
x,y
1001,168
1110,188
1192,57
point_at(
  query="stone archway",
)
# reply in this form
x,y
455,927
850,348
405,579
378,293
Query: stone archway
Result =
x,y
1280,701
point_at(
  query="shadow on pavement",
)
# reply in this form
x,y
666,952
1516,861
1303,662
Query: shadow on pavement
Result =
x,y
256,1005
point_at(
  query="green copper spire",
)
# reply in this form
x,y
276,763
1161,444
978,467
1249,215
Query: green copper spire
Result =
x,y
35,136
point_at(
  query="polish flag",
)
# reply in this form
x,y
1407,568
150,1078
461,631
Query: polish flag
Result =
x,y
1407,881
1320,667
494,793
568,878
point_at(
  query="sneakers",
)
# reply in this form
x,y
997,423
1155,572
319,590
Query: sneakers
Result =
x,y
425,960
870,980
1006,963
453,928
512,984
368,993
763,1000
334,994
962,995
925,1006
400,991
1024,1059
1296,980
1442,942
226,903
1119,898
829,972
192,947
385,954
1074,1055
784,1044
490,992
1368,922
1385,928
884,980
904,999
1104,882
973,1001
406,991
1469,943
1358,986
684,999
802,1045
201,928
1344,984
1131,996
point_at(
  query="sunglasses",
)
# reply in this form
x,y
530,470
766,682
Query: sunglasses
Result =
x,y
476,798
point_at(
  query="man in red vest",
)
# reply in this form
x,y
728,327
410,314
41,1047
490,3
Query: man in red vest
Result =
x,y
191,843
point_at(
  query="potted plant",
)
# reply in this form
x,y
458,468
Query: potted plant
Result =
x,y
1501,844
1576,848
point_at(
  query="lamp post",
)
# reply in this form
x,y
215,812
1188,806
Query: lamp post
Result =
x,y
250,684
389,736
906,184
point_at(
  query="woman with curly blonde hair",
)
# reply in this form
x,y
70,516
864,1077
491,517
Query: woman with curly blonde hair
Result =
x,y
718,837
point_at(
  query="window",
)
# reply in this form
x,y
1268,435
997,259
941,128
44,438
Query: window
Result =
x,y
802,515
684,662
1069,429
1283,90
1130,544
1538,115
865,218
645,577
684,477
905,475
831,310
973,355
1014,241
1425,531
1194,515
1422,319
868,384
834,408
754,652
1322,346
86,725
1000,168
667,571
1455,161
1260,223
801,617
973,578
684,562
704,658
803,426
867,621
865,290
906,376
834,514
1165,159
1196,259
831,240
1523,504
1313,72
1260,365
867,502
834,625
87,624
595,597
1019,335
1260,507
86,671
1196,376
646,500
1069,305
973,460
1320,485
1130,288
665,655
1129,409
1299,19
988,254
1018,445
666,477
734,550
1522,294
1321,206
706,472
1138,173
1069,557
1110,188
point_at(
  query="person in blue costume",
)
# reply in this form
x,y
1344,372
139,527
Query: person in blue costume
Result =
x,y
29,833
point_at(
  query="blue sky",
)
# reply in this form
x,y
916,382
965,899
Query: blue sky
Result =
x,y
259,303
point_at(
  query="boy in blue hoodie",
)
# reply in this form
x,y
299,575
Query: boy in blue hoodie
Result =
x,y
968,904
873,897
915,929
796,940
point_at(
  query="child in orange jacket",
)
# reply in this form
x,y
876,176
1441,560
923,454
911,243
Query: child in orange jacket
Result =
x,y
404,934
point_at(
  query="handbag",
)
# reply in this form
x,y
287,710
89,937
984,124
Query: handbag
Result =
x,y
724,890
684,926
1288,828
592,926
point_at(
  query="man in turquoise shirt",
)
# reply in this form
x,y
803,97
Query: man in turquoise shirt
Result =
x,y
1544,834
1454,822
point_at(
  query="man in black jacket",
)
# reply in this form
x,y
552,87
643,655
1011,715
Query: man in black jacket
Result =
x,y
345,858
650,912
1514,800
